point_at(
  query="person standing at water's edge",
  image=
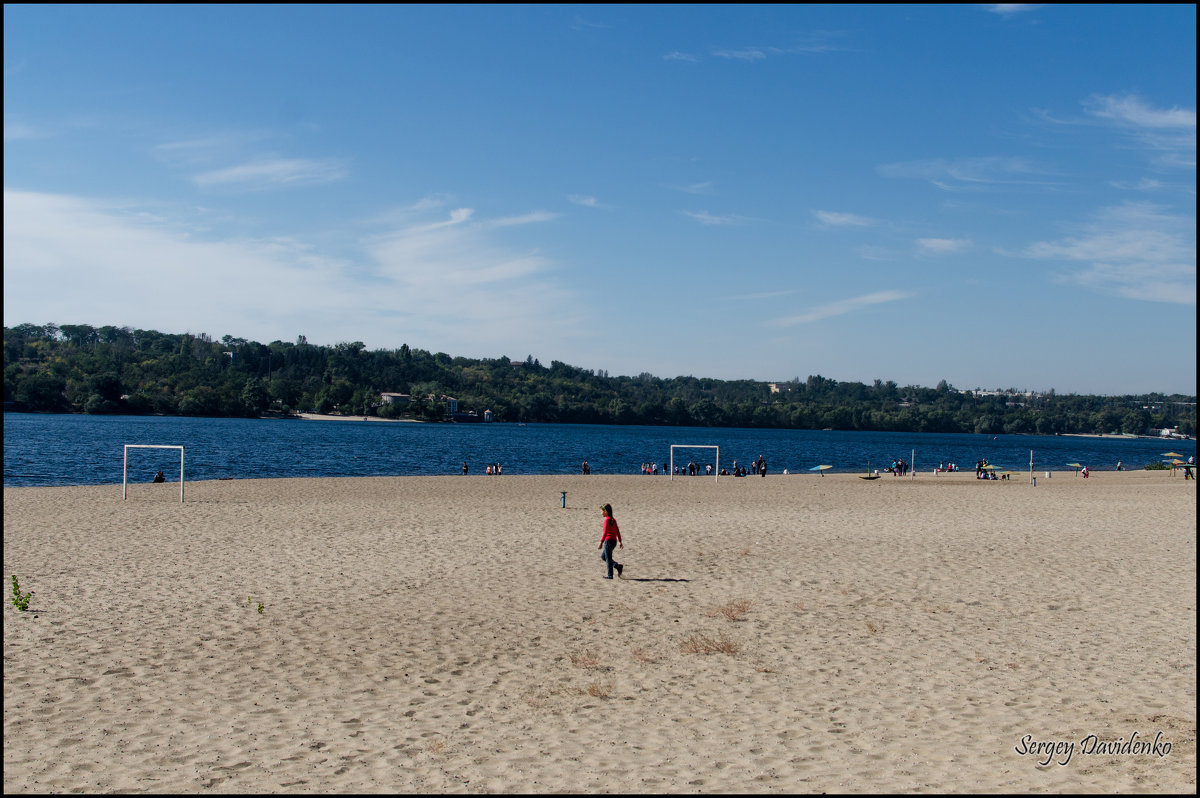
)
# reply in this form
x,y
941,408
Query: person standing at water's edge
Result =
x,y
610,538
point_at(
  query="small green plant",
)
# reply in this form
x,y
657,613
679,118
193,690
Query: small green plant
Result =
x,y
1157,466
20,600
260,608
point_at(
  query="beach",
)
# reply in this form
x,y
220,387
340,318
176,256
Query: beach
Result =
x,y
454,634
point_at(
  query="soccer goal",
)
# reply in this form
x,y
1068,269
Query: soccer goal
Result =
x,y
125,464
674,446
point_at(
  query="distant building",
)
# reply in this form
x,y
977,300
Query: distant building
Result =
x,y
395,398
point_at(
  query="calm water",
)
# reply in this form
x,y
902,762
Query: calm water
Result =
x,y
88,450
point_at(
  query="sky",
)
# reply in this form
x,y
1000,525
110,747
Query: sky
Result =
x,y
998,196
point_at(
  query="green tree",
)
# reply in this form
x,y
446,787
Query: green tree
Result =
x,y
255,397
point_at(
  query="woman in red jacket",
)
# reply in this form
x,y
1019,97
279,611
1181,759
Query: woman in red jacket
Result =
x,y
610,537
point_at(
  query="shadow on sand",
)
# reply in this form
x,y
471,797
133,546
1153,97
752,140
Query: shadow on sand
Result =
x,y
648,579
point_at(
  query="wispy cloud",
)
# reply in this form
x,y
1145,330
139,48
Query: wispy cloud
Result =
x,y
1008,9
21,131
742,54
942,246
533,217
579,23
1168,132
842,307
153,275
1135,250
447,281
816,42
584,200
204,150
836,219
820,42
705,188
274,173
706,218
764,295
963,174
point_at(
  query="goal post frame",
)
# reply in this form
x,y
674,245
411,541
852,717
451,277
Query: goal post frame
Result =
x,y
674,446
125,464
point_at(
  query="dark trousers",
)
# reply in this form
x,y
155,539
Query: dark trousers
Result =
x,y
607,555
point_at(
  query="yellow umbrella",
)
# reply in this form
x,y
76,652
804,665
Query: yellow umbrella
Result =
x,y
1172,454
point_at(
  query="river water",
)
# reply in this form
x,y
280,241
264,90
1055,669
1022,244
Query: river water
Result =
x,y
43,449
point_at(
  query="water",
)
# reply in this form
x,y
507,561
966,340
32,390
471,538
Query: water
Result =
x,y
88,450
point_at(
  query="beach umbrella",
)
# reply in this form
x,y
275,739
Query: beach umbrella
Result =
x,y
1172,454
821,468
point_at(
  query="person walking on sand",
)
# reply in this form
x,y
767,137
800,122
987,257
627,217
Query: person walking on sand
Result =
x,y
610,538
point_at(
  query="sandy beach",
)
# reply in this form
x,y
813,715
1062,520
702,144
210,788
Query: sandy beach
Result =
x,y
454,634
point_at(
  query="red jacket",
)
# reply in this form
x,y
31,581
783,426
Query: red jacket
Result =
x,y
611,530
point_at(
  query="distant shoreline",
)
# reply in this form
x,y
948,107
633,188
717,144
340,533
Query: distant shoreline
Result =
x,y
324,417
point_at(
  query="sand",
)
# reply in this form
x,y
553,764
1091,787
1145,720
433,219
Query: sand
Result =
x,y
454,634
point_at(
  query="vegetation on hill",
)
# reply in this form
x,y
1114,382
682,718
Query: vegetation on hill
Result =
x,y
80,368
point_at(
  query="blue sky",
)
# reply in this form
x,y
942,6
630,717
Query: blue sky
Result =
x,y
996,196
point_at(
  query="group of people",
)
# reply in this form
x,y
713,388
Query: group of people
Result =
x,y
492,468
899,467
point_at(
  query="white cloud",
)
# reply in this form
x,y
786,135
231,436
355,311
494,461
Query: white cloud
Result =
x,y
744,54
435,283
959,174
678,56
115,267
704,188
584,200
533,217
1134,111
836,219
1008,9
706,218
1168,133
942,246
20,131
842,307
274,173
1133,250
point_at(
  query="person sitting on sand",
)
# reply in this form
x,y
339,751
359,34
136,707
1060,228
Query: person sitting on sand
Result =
x,y
610,537
159,477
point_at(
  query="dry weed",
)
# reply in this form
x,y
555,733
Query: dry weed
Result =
x,y
733,610
585,658
642,655
696,643
596,690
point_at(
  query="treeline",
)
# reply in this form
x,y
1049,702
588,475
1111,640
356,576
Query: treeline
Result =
x,y
80,368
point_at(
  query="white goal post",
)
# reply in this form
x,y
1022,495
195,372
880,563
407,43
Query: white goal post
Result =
x,y
674,446
125,464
